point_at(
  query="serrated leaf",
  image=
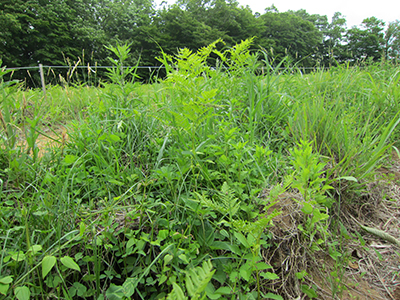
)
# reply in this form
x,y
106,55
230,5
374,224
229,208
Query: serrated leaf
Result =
x,y
245,272
269,275
70,263
177,293
22,293
189,286
48,263
262,266
198,278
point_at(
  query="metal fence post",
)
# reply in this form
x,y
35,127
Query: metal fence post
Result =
x,y
42,79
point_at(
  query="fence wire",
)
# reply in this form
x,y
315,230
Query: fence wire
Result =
x,y
94,74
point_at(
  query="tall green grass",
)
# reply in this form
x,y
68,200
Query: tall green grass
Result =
x,y
156,193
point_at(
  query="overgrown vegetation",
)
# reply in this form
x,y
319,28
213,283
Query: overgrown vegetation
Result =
x,y
172,190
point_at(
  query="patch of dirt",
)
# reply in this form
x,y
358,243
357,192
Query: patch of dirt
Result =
x,y
369,266
54,138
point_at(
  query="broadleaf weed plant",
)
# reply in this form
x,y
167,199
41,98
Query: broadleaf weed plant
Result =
x,y
308,178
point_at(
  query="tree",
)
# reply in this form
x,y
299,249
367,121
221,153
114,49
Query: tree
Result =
x,y
232,22
237,23
319,21
58,32
179,28
289,34
392,41
334,39
38,32
366,42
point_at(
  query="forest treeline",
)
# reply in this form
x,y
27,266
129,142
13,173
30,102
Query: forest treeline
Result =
x,y
63,32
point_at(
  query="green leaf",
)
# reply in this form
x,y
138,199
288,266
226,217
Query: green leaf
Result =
x,y
82,228
177,293
301,275
113,138
218,245
225,290
132,241
22,293
116,182
35,249
70,263
307,208
272,296
52,281
269,275
6,280
48,263
262,266
348,178
198,278
18,256
163,234
115,292
245,271
4,288
242,239
167,259
129,286
80,289
70,159
308,291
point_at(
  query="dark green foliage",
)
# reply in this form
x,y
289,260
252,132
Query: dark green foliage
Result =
x,y
74,32
368,42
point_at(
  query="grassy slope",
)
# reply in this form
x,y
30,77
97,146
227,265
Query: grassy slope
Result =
x,y
167,188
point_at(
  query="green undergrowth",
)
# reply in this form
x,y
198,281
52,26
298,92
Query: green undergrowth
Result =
x,y
159,190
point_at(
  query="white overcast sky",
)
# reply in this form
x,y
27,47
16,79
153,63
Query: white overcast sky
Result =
x,y
354,11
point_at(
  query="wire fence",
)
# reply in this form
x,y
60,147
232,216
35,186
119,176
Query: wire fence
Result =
x,y
81,67
51,74
93,74
108,67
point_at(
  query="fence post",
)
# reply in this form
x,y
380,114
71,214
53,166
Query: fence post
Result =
x,y
42,80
